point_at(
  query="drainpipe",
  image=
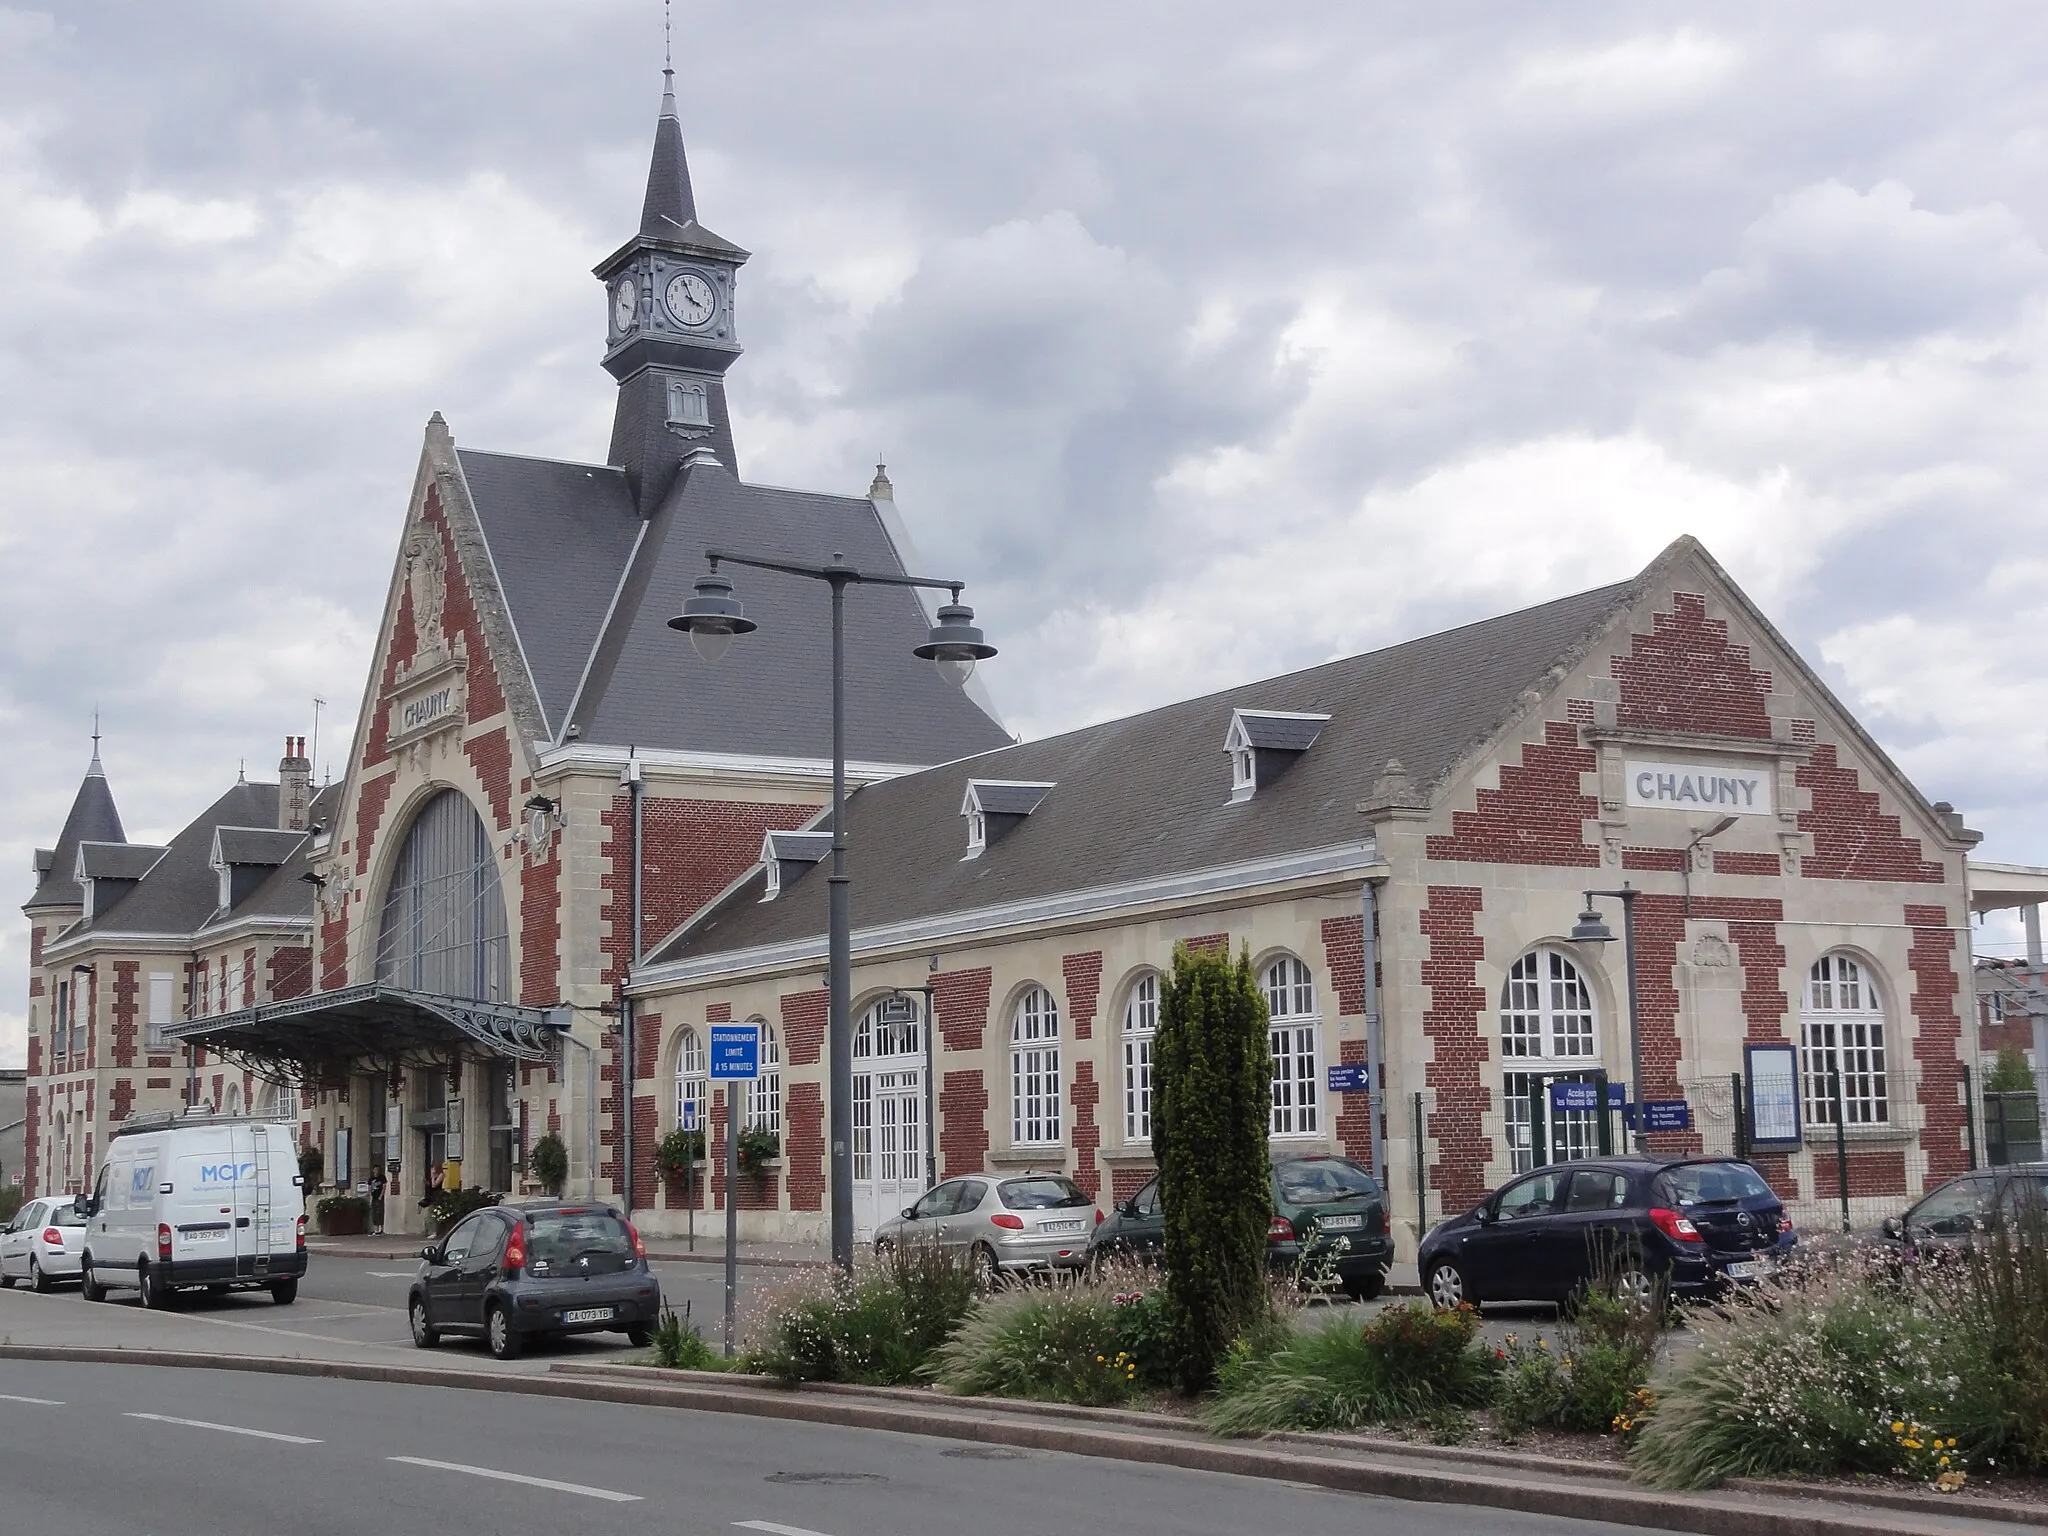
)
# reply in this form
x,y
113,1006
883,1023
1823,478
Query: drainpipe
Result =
x,y
1375,1047
627,1009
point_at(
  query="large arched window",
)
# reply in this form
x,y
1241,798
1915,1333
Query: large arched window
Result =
x,y
691,1082
443,928
1141,1025
1035,1070
764,1092
1843,1021
1297,1042
1546,1016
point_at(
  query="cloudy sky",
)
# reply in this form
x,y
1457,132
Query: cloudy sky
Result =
x,y
1205,350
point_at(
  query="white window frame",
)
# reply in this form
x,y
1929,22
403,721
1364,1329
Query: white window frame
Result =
x,y
1297,1043
162,1002
977,831
693,1080
1140,1029
1841,1018
1035,1086
1547,1018
764,1090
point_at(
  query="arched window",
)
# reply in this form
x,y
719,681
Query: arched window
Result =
x,y
1035,1070
764,1093
1141,1024
444,914
1546,1015
1843,1021
691,1082
890,1028
234,1105
1297,1048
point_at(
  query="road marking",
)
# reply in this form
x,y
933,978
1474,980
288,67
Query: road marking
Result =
x,y
520,1477
40,1402
773,1529
390,1274
226,1429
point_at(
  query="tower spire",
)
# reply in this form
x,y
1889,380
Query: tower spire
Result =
x,y
95,766
670,204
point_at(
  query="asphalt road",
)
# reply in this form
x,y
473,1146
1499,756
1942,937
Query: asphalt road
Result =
x,y
86,1450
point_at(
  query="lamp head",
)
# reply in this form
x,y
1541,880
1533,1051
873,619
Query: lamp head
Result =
x,y
712,616
955,644
1592,928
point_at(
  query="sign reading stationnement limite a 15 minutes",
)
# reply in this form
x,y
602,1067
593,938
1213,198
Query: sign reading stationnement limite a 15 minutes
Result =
x,y
1721,788
735,1050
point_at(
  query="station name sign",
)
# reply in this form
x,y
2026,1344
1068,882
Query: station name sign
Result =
x,y
1700,787
426,709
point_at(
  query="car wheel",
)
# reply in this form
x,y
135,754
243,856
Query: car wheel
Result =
x,y
986,1271
88,1286
1636,1290
424,1334
1447,1288
884,1249
285,1292
155,1295
38,1281
1366,1287
640,1337
500,1334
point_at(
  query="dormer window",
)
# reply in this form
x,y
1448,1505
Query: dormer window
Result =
x,y
995,807
1262,744
786,855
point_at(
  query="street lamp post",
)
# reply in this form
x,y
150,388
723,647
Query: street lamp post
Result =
x,y
712,618
1593,929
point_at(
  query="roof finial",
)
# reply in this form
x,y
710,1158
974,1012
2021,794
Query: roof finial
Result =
x,y
668,59
879,489
95,767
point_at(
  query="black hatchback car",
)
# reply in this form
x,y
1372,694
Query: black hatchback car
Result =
x,y
1327,1205
1694,1224
1950,1215
514,1273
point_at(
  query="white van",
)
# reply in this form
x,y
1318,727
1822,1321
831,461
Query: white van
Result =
x,y
196,1200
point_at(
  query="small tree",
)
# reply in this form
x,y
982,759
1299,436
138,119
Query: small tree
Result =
x,y
549,1161
1212,1095
2010,1073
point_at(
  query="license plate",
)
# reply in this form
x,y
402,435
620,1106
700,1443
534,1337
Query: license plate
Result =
x,y
204,1237
1750,1269
1341,1223
588,1315
1061,1226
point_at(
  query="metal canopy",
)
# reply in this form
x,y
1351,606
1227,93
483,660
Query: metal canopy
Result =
x,y
372,1022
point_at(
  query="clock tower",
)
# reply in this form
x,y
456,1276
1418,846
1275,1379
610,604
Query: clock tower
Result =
x,y
669,314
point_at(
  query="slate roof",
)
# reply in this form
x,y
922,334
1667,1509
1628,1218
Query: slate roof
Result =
x,y
93,819
256,845
1148,796
284,894
1281,733
1000,799
116,861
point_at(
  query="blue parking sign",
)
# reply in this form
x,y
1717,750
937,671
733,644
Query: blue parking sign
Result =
x,y
1350,1077
1567,1097
735,1050
1668,1115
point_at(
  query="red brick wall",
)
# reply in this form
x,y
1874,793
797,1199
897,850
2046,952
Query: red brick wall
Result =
x,y
691,850
491,756
1084,990
404,646
540,927
1127,1180
125,989
1457,1070
1872,1171
1085,1094
32,1160
963,1120
803,1145
1344,950
960,1000
1208,944
123,1098
291,972
1685,676
1537,815
248,978
1671,860
1354,1111
1767,864
1852,839
370,803
1935,990
804,1018
646,1131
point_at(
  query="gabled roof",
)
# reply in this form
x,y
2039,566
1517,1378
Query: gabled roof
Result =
x,y
92,819
796,847
1276,731
1004,797
116,861
1140,798
267,846
180,892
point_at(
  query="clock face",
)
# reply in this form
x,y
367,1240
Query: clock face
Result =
x,y
625,305
690,299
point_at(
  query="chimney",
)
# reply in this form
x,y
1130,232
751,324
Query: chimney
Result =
x,y
294,785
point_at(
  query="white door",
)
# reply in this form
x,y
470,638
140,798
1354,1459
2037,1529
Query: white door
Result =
x,y
888,1115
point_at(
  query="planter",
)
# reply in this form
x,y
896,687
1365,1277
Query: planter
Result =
x,y
342,1216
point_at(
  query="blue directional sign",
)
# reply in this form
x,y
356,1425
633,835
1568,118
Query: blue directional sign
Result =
x,y
1350,1078
1668,1115
735,1050
1617,1095
689,1114
1566,1097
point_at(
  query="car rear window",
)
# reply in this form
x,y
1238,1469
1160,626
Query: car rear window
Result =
x,y
1704,1183
558,1238
1041,1194
1320,1180
66,1216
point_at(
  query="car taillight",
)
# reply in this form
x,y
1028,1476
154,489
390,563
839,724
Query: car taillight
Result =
x,y
1098,1215
1676,1227
515,1248
53,1237
163,1240
639,1248
1784,1224
300,1235
1279,1230
1008,1222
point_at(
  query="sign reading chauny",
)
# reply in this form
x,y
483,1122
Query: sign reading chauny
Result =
x,y
1700,787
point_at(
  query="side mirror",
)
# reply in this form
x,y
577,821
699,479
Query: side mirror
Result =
x,y
1894,1229
82,1206
909,1213
1129,1207
431,1254
1483,1214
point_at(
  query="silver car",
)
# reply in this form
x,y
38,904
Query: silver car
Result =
x,y
1000,1223
43,1242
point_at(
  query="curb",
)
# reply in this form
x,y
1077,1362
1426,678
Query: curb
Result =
x,y
1708,1514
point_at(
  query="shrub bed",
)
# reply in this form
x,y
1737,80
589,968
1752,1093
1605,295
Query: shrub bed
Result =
x,y
1085,1342
877,1326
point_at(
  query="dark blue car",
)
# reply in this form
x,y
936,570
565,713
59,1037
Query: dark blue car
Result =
x,y
1692,1225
